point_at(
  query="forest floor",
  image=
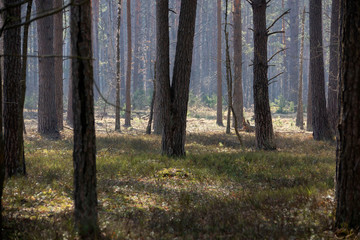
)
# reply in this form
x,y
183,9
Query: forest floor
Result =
x,y
219,191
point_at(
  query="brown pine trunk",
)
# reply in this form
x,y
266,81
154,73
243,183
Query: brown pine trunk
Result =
x,y
118,70
70,114
137,82
84,154
12,92
348,152
2,144
263,122
47,114
238,103
95,38
300,108
174,135
319,113
219,120
309,126
58,51
334,67
129,65
294,51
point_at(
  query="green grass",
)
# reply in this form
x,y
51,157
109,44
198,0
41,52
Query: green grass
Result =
x,y
218,191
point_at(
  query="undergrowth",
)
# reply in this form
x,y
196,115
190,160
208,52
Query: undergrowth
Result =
x,y
218,191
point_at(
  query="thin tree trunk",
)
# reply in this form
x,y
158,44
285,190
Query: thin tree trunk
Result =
x,y
128,71
148,128
319,113
85,196
309,126
228,71
263,123
238,103
118,70
348,150
334,67
300,108
219,120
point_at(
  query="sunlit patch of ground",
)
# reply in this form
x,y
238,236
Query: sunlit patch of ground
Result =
x,y
219,191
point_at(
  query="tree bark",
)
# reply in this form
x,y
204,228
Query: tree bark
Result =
x,y
47,114
118,70
12,93
129,65
263,123
174,134
294,51
238,103
334,67
219,120
137,81
58,51
300,108
348,151
319,113
84,154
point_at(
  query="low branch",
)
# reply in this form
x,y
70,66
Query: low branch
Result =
x,y
274,55
269,81
277,19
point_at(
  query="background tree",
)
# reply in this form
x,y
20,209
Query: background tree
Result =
x,y
47,114
319,114
294,50
334,66
84,154
12,93
129,66
238,89
219,112
348,152
263,122
118,70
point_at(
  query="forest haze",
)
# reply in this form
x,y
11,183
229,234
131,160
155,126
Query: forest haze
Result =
x,y
179,119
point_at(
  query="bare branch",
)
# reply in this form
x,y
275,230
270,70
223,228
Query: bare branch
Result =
x,y
281,50
277,19
270,80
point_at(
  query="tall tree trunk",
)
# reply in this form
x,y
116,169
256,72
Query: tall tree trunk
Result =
x,y
95,38
58,51
334,67
219,120
319,113
118,70
309,126
84,154
47,114
137,81
2,143
174,135
163,70
300,108
238,104
12,93
294,51
348,152
263,122
129,65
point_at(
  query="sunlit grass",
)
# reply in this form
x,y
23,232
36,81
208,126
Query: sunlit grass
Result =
x,y
219,190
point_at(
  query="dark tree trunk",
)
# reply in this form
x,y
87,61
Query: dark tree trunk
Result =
x,y
12,94
2,144
319,113
238,89
263,122
174,134
219,112
309,126
334,67
294,51
118,70
70,113
129,65
84,154
47,114
58,51
348,152
95,38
